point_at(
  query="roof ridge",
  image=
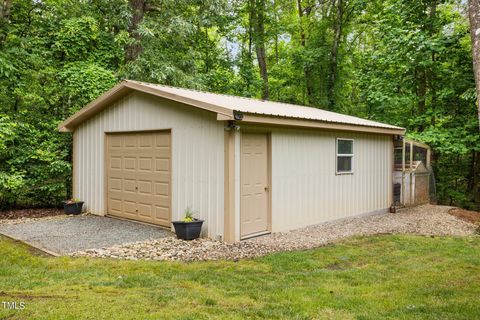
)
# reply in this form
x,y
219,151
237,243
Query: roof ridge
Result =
x,y
368,122
216,93
225,104
246,98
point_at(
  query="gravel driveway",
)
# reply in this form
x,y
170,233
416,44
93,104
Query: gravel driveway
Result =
x,y
66,234
422,220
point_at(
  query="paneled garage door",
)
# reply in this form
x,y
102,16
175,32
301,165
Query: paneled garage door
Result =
x,y
138,169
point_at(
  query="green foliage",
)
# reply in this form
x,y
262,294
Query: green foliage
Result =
x,y
33,171
422,54
11,187
11,181
76,38
398,61
7,131
53,61
188,215
83,82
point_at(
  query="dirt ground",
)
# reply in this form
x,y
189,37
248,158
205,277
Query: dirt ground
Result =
x,y
30,213
466,215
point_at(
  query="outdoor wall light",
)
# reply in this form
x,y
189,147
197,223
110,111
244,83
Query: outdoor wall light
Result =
x,y
231,125
237,115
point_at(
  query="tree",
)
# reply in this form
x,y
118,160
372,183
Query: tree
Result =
x,y
133,47
5,6
397,61
306,69
474,16
257,14
337,35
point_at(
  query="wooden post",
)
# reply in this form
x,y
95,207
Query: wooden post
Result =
x,y
229,187
429,155
403,171
411,174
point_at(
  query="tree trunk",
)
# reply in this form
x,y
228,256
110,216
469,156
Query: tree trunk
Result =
x,y
476,180
133,49
337,34
5,6
306,69
422,74
421,92
207,50
275,16
474,16
430,72
251,12
258,18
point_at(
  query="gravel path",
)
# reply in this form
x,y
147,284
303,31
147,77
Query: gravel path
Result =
x,y
67,234
422,220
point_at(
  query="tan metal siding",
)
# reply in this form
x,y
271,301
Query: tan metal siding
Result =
x,y
197,154
139,176
305,188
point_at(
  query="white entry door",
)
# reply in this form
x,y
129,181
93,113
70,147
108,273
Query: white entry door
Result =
x,y
254,184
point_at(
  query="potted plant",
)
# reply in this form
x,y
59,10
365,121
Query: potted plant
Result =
x,y
73,206
188,228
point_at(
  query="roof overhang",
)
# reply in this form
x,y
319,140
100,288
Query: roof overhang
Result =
x,y
117,92
124,88
305,123
417,143
223,114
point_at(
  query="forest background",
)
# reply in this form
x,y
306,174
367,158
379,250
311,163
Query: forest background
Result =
x,y
403,62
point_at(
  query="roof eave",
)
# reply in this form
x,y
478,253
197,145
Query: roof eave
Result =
x,y
125,87
94,107
178,98
306,123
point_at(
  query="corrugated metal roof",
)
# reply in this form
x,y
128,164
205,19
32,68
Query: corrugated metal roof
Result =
x,y
262,107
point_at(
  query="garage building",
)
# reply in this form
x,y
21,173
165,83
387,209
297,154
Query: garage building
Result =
x,y
247,167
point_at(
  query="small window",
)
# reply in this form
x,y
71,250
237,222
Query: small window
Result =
x,y
344,156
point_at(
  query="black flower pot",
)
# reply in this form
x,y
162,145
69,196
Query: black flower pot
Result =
x,y
73,207
188,230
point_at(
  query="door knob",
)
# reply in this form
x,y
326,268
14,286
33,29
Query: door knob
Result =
x,y
266,188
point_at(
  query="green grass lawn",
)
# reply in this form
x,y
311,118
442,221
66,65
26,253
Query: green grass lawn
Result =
x,y
362,278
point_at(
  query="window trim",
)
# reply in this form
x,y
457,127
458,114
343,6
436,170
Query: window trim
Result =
x,y
352,155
